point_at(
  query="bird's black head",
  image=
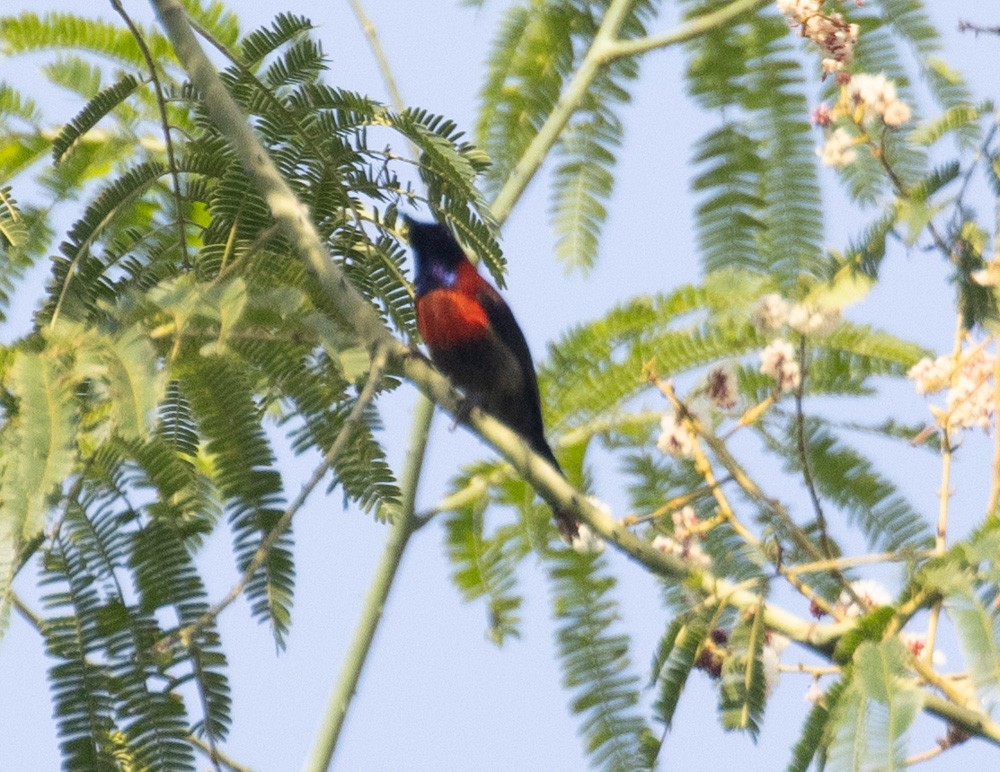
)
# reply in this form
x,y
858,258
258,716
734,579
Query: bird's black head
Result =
x,y
433,244
436,254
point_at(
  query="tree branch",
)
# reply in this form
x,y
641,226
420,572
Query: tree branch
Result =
x,y
293,218
402,528
694,28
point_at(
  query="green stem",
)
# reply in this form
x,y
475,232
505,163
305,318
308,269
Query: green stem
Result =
x,y
547,136
687,31
371,615
604,50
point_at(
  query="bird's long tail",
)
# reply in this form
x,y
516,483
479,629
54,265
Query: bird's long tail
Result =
x,y
568,527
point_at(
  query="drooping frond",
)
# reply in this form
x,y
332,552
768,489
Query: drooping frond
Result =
x,y
814,732
759,205
531,57
31,32
595,661
867,727
743,690
484,566
676,656
36,451
850,480
535,52
978,630
81,686
98,107
230,421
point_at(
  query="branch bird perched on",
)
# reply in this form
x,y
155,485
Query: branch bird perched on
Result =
x,y
474,339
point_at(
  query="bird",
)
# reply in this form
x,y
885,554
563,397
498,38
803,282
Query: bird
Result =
x,y
474,339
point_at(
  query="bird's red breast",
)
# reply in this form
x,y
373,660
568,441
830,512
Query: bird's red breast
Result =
x,y
450,316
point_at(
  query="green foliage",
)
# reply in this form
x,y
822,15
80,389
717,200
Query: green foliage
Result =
x,y
866,729
978,629
15,238
595,661
814,730
37,441
537,50
485,567
676,656
102,104
759,207
743,690
872,503
180,343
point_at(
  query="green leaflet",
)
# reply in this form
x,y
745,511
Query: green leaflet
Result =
x,y
98,107
484,566
37,453
814,732
867,729
124,370
596,666
979,635
743,691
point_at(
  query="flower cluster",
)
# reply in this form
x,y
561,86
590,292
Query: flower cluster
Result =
x,y
917,642
835,37
875,96
813,320
721,387
778,361
971,396
988,276
838,149
773,312
863,100
675,438
770,313
685,542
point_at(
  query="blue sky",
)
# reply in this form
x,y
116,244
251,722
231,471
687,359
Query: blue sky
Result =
x,y
436,695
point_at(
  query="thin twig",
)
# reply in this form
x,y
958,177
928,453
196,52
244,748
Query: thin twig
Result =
x,y
187,633
677,502
926,755
944,497
368,27
29,615
813,670
968,26
857,560
691,29
704,467
216,755
161,103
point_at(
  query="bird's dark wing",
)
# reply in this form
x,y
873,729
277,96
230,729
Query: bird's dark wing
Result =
x,y
507,330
